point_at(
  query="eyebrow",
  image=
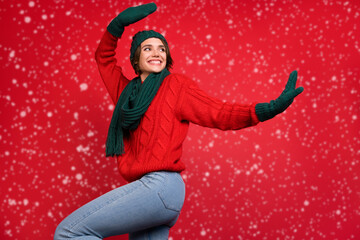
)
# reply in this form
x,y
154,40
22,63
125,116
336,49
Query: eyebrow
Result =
x,y
150,45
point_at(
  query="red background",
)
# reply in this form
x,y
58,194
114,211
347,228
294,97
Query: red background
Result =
x,y
293,177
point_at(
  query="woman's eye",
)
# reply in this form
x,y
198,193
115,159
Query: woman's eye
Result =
x,y
162,49
146,49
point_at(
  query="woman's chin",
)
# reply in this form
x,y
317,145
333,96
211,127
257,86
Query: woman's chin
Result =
x,y
157,70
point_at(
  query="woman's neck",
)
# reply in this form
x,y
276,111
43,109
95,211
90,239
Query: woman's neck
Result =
x,y
143,76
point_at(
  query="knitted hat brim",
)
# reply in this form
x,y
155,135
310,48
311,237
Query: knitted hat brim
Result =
x,y
141,37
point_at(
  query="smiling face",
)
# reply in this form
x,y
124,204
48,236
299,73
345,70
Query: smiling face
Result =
x,y
152,57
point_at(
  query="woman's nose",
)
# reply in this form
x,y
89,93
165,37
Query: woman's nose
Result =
x,y
155,53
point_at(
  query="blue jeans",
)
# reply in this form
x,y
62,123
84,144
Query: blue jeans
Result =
x,y
146,209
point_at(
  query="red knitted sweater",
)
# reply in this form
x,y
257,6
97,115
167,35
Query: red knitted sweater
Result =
x,y
157,142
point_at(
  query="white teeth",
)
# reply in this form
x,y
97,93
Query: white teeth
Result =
x,y
156,62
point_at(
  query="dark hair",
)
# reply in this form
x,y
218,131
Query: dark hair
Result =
x,y
135,60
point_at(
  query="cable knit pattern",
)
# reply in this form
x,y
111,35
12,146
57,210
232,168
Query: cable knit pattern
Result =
x,y
157,142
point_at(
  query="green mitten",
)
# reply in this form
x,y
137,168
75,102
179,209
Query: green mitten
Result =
x,y
129,16
266,111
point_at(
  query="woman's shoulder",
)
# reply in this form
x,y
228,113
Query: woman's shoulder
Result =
x,y
180,79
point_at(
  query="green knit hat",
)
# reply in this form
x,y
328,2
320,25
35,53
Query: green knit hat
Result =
x,y
142,36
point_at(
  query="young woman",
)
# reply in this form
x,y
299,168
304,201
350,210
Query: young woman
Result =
x,y
148,127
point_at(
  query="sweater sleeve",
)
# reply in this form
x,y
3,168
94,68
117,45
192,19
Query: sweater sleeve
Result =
x,y
111,74
197,107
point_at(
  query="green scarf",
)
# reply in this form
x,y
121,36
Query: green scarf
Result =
x,y
131,106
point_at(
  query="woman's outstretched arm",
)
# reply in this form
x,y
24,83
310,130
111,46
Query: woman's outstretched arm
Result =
x,y
197,107
110,72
